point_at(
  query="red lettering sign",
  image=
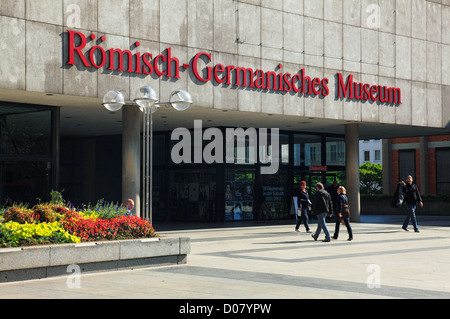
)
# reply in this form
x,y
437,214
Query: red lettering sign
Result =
x,y
117,59
164,64
318,168
360,91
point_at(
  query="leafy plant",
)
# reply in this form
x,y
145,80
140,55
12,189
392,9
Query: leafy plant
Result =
x,y
46,213
107,210
13,234
20,214
56,198
54,222
371,178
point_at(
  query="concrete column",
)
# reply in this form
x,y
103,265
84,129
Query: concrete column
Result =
x,y
387,166
352,170
131,150
423,165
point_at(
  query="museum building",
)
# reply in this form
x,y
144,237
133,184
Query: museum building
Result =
x,y
282,91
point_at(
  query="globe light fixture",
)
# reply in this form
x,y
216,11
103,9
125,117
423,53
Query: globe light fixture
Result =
x,y
180,100
113,101
147,101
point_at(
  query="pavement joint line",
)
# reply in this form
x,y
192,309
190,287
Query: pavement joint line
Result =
x,y
273,261
241,255
306,282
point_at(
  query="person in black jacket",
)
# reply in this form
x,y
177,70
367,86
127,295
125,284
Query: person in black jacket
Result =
x,y
342,213
304,205
412,198
332,190
322,206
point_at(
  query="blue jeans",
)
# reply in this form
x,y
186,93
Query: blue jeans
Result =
x,y
322,224
303,218
411,216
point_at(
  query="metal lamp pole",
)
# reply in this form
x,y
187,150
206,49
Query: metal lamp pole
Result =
x,y
147,160
148,104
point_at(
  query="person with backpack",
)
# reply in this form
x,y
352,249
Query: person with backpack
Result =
x,y
412,198
322,206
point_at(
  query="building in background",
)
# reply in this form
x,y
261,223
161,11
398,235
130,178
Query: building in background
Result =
x,y
370,151
327,74
426,159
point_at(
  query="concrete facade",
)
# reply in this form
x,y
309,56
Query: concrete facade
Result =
x,y
403,44
50,50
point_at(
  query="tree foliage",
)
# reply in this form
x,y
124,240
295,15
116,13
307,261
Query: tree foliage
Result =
x,y
371,178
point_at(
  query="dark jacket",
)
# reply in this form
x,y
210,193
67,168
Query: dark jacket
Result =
x,y
343,200
408,194
322,203
303,199
412,195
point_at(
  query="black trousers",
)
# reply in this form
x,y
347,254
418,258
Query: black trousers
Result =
x,y
338,224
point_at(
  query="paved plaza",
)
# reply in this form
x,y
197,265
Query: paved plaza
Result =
x,y
265,260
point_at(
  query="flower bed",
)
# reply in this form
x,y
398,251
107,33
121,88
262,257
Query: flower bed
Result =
x,y
52,224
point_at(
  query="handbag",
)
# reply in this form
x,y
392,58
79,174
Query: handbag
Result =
x,y
346,211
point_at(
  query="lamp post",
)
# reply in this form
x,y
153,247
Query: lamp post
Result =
x,y
147,101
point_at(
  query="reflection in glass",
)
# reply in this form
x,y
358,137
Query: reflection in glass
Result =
x,y
307,150
335,151
25,133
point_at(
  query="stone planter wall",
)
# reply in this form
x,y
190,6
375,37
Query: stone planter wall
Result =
x,y
38,262
382,206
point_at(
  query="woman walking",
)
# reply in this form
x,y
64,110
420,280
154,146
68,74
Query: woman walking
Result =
x,y
304,205
342,213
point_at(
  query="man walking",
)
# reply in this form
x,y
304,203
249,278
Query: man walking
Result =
x,y
322,206
412,199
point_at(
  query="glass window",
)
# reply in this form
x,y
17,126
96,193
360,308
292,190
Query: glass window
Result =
x,y
244,150
274,199
377,155
26,133
158,150
239,190
284,144
27,171
366,156
335,151
25,182
192,195
314,153
307,150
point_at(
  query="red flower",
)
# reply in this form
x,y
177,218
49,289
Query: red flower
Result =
x,y
122,227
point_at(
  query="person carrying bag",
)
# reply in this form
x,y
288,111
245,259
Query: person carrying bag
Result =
x,y
343,214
